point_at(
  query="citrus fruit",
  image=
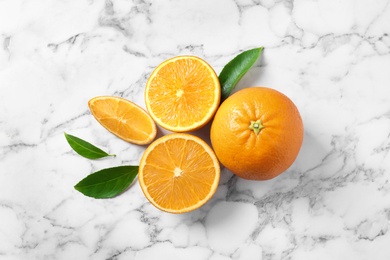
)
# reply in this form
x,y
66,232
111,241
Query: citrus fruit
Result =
x,y
182,94
257,133
124,119
178,173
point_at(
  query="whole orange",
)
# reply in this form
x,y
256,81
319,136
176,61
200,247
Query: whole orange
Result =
x,y
257,133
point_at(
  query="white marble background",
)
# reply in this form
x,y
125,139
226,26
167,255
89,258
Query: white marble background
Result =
x,y
331,57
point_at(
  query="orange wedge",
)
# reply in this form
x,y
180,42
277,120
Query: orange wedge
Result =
x,y
124,119
182,94
179,173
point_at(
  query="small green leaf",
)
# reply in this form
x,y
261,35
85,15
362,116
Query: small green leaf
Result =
x,y
107,183
236,69
85,149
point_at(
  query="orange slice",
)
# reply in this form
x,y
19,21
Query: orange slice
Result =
x,y
179,173
182,94
124,119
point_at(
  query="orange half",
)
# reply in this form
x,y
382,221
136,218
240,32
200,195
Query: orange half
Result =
x,y
179,173
124,119
183,94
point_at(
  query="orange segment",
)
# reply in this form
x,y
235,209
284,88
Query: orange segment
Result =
x,y
124,119
182,94
179,173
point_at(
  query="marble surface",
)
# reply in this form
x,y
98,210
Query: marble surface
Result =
x,y
331,57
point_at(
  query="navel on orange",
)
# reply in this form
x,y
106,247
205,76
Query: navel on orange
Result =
x,y
182,94
179,173
124,119
257,133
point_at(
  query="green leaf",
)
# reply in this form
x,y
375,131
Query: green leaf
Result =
x,y
84,148
236,69
107,183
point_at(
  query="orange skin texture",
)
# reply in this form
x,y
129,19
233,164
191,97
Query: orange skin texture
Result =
x,y
259,156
